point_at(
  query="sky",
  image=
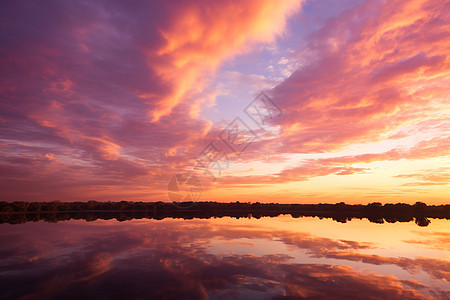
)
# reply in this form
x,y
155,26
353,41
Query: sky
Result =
x,y
313,101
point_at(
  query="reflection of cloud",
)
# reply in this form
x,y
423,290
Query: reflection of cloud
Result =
x,y
171,259
434,240
342,282
348,250
437,268
100,263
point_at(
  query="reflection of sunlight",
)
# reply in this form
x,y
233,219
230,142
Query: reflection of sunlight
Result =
x,y
241,246
387,239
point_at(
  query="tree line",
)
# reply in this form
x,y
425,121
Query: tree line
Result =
x,y
54,211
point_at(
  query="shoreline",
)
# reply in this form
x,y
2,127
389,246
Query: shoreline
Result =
x,y
21,212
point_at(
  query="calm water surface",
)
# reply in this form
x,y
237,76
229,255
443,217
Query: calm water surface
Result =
x,y
268,258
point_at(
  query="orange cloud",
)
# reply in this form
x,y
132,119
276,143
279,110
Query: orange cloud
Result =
x,y
342,165
435,240
374,69
199,37
428,177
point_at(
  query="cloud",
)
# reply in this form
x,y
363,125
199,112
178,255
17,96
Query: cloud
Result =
x,y
216,31
438,176
375,68
342,165
377,72
107,96
110,91
435,240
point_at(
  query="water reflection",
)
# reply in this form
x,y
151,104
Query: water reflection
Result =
x,y
277,258
20,218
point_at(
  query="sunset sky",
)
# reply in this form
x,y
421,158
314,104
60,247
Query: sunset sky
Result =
x,y
109,100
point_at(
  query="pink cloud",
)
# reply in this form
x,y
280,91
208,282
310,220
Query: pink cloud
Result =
x,y
373,69
83,81
342,165
440,176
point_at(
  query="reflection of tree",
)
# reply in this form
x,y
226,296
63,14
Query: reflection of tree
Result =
x,y
342,219
378,220
422,221
21,212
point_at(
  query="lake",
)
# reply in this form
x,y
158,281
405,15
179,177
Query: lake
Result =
x,y
225,258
